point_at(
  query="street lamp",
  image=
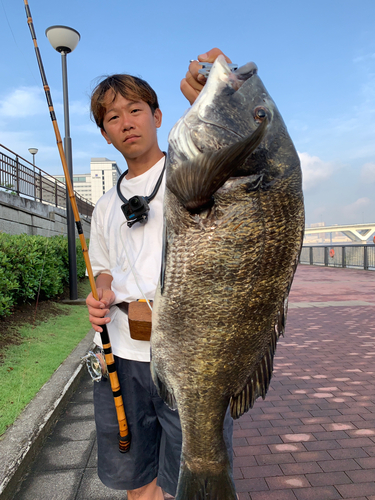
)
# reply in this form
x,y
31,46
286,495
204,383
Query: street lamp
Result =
x,y
65,40
34,151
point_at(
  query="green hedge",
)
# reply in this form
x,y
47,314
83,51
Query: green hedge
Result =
x,y
29,261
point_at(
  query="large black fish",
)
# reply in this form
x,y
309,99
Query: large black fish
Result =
x,y
234,220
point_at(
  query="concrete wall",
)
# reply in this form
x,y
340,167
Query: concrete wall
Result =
x,y
21,215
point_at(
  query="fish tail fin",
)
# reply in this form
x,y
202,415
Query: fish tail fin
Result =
x,y
205,485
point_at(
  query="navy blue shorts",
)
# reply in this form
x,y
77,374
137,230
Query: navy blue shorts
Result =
x,y
154,428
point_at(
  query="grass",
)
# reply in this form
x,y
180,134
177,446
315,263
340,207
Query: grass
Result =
x,y
40,349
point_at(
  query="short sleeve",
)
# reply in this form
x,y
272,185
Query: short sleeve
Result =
x,y
98,250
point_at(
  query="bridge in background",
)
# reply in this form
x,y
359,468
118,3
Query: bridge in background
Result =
x,y
355,232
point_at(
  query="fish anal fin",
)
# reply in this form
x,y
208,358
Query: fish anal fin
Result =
x,y
259,381
195,181
163,391
256,386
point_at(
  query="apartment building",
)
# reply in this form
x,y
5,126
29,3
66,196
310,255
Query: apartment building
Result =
x,y
103,176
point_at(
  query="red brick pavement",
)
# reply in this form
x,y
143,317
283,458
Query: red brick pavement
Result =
x,y
313,438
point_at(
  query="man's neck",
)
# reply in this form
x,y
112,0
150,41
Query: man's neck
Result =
x,y
140,165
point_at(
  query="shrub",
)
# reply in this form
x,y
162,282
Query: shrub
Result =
x,y
30,262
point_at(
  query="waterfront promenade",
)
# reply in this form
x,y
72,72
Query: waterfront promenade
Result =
x,y
313,438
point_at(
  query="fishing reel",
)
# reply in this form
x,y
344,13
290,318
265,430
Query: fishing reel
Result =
x,y
96,365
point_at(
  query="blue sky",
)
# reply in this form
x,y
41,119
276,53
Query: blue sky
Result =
x,y
317,60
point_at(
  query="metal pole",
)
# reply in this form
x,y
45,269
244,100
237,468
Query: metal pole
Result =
x,y
34,177
73,286
365,257
17,176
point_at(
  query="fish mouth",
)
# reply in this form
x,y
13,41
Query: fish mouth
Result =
x,y
239,77
223,76
219,78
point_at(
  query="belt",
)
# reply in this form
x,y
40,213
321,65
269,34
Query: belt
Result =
x,y
124,306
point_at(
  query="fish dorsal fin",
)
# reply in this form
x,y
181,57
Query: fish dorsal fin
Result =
x,y
195,181
259,381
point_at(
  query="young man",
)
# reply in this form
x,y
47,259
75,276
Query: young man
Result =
x,y
126,261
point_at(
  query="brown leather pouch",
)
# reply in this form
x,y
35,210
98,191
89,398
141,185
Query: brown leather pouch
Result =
x,y
139,316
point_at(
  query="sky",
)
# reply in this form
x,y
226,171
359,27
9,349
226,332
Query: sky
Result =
x,y
316,59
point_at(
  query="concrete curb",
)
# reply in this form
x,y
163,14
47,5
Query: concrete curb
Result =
x,y
24,439
74,302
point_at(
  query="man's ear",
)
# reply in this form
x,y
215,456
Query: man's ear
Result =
x,y
158,117
105,136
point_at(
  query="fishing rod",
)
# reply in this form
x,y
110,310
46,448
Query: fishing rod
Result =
x,y
124,439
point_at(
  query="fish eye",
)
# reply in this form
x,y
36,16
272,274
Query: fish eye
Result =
x,y
260,113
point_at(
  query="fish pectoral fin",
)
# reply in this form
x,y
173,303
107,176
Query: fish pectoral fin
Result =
x,y
164,393
195,181
259,380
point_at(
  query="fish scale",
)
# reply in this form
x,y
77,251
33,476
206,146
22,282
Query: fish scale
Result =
x,y
234,222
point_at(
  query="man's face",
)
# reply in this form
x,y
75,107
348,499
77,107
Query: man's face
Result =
x,y
130,126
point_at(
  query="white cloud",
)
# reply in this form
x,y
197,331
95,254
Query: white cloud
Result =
x,y
354,212
368,173
22,102
79,108
31,101
88,127
315,171
364,58
333,212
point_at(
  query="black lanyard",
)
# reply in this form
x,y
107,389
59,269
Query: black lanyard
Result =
x,y
137,207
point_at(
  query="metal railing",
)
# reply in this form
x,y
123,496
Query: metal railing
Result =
x,y
19,176
353,256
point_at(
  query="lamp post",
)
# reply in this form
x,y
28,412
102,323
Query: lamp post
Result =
x,y
33,151
65,40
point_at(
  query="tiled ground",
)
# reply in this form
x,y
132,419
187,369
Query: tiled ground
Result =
x,y
313,438
314,435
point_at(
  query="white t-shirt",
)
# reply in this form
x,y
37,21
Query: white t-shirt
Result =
x,y
109,234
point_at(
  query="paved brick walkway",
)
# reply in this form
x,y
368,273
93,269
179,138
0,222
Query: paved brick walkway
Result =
x,y
312,438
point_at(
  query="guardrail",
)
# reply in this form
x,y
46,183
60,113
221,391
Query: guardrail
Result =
x,y
19,176
353,256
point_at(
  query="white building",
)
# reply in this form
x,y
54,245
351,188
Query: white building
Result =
x,y
102,177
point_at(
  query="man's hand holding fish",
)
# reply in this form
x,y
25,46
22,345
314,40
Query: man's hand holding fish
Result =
x,y
194,82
